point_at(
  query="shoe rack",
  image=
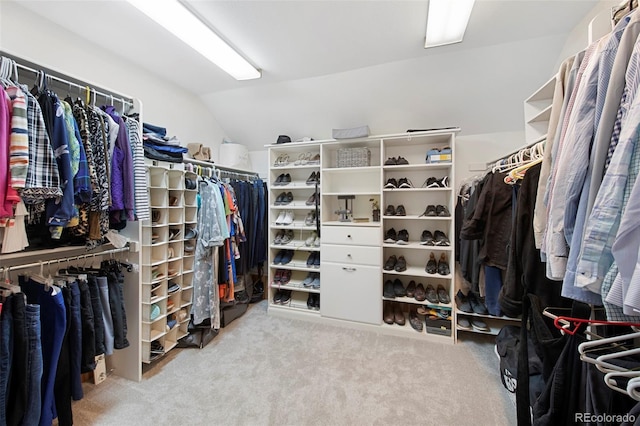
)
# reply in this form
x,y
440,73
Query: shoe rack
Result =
x,y
352,248
167,261
425,192
294,240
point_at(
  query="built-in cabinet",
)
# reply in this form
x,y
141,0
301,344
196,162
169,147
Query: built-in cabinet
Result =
x,y
351,253
168,248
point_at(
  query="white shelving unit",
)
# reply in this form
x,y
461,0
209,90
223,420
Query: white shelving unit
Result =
x,y
353,252
537,111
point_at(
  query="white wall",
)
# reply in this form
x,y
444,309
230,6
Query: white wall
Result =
x,y
480,90
31,37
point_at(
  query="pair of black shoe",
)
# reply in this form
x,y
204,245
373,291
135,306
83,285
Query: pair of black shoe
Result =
x,y
393,161
313,301
441,266
434,182
403,183
400,238
392,211
282,297
437,211
438,238
393,289
470,303
283,257
313,178
313,261
283,179
393,263
283,199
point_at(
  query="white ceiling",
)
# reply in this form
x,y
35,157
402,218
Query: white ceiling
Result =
x,y
291,40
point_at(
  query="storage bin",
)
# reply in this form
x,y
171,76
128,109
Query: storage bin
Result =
x,y
438,326
354,157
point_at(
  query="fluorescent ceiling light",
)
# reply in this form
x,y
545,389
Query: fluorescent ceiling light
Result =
x,y
187,27
447,21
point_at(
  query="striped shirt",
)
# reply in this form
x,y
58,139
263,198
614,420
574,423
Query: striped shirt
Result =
x,y
19,139
142,209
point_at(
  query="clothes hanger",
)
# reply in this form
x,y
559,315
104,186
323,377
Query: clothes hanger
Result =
x,y
633,387
612,378
606,367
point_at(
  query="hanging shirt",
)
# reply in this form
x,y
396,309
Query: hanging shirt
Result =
x,y
19,139
142,209
122,171
6,209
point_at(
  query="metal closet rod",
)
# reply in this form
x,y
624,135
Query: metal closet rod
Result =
x,y
62,260
221,169
71,83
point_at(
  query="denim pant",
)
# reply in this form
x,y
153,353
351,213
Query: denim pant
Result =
x,y
98,319
17,394
116,302
103,285
493,284
75,342
6,352
87,363
34,365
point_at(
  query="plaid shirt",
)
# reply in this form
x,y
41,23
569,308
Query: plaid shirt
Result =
x,y
43,179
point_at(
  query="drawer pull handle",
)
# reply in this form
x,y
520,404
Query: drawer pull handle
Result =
x,y
349,255
348,236
348,269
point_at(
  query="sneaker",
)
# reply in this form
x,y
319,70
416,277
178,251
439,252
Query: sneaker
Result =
x,y
311,239
285,297
191,234
431,183
310,301
391,211
441,239
288,236
316,281
476,304
391,161
442,211
310,220
391,184
426,239
278,239
390,236
405,183
390,263
387,290
173,287
464,323
480,325
311,259
429,211
403,237
444,182
308,280
312,179
401,161
400,211
401,265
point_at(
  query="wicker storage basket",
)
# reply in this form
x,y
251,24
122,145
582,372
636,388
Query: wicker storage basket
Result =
x,y
354,157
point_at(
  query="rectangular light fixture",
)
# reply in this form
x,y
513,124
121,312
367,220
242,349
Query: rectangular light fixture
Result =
x,y
178,20
447,21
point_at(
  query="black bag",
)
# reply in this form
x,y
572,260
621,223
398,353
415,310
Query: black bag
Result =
x,y
508,348
283,139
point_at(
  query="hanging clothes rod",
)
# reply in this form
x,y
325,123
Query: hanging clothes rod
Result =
x,y
505,157
221,169
86,88
63,260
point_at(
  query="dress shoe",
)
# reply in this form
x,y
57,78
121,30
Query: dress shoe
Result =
x,y
443,295
390,236
387,290
286,199
387,313
403,237
431,294
426,239
398,315
311,180
278,180
286,180
411,288
443,265
398,288
280,199
400,211
420,293
432,265
391,161
390,211
429,211
415,321
401,264
390,263
313,199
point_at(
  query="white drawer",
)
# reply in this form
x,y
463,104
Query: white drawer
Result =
x,y
351,255
359,236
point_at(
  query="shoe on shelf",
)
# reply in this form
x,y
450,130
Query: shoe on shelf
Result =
x,y
476,304
387,290
431,182
398,315
277,298
174,233
316,261
391,161
316,242
286,180
280,199
411,288
391,184
286,297
155,217
444,182
390,263
398,288
443,295
444,314
426,239
432,265
420,294
287,257
308,280
278,275
414,320
191,234
173,287
390,211
311,301
288,236
463,323
287,198
312,200
443,265
311,180
154,312
401,161
310,220
401,264
387,313
403,237
442,211
429,211
400,211
480,325
311,259
462,302
404,183
441,239
278,180
431,294
310,240
316,282
390,236
280,218
288,218
286,277
317,301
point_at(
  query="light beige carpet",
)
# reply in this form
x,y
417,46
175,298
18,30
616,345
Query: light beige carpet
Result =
x,y
263,370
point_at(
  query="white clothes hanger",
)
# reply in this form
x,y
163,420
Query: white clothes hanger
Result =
x,y
585,347
611,380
